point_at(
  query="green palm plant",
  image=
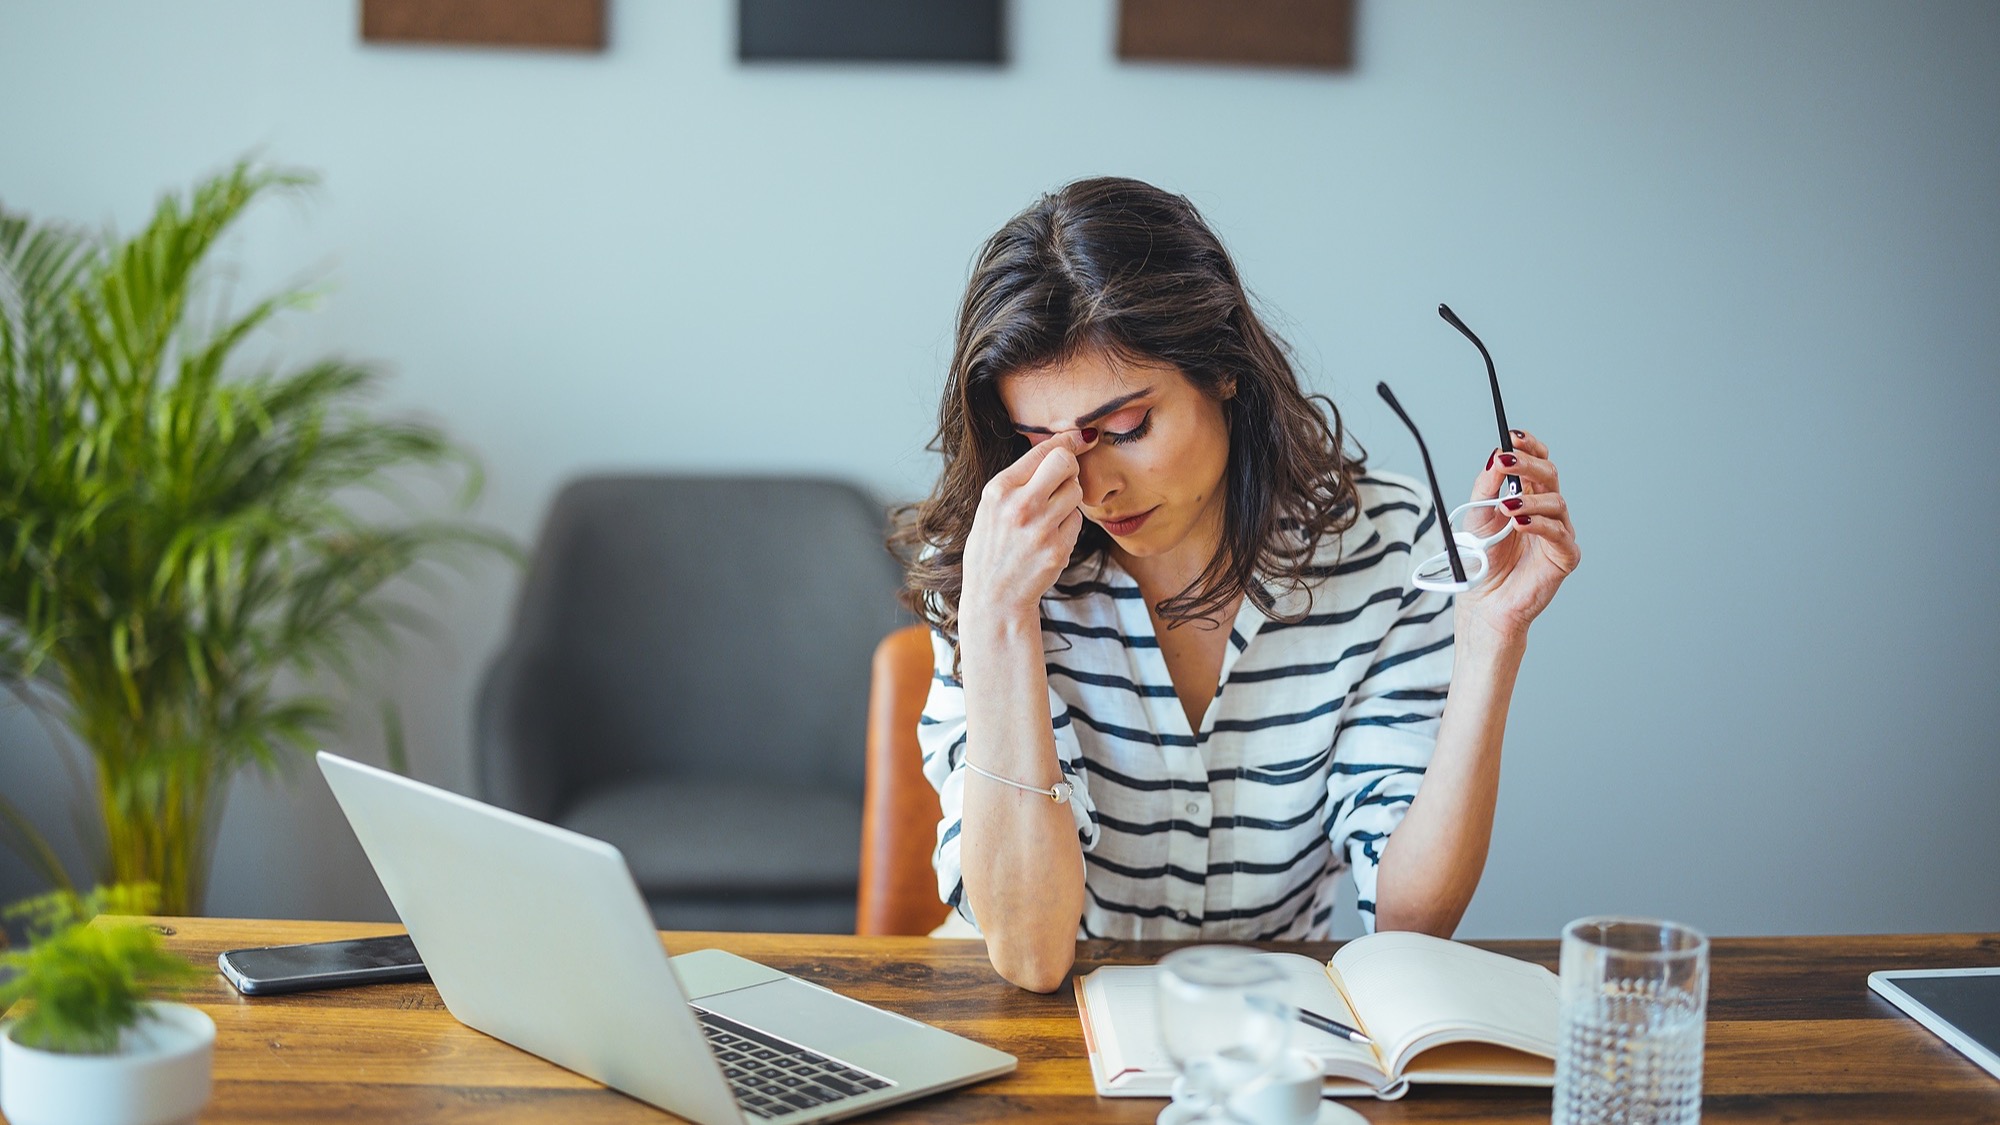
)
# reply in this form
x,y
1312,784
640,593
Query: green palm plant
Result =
x,y
178,527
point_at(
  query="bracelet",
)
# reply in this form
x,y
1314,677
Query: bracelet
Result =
x,y
1059,792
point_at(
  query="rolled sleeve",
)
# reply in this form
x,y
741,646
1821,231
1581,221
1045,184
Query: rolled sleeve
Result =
x,y
1389,728
941,735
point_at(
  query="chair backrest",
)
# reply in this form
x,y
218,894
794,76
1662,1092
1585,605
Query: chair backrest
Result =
x,y
705,627
900,813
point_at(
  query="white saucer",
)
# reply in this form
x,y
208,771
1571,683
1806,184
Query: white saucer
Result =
x,y
1330,1113
1334,1113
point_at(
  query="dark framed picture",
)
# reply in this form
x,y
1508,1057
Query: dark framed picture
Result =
x,y
923,31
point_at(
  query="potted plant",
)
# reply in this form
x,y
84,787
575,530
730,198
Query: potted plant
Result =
x,y
180,526
87,1044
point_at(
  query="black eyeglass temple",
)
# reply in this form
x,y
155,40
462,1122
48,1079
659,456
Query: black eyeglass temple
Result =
x,y
1492,379
1437,494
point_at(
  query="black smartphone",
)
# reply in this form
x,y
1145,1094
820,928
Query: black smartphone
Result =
x,y
322,964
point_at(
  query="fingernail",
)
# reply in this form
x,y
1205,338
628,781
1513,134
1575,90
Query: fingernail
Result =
x,y
1520,519
1513,502
1490,457
1089,435
1508,459
1517,433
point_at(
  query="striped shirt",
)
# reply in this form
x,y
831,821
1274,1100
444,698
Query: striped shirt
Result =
x,y
1307,757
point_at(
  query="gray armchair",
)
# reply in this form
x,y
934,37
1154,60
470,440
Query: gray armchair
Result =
x,y
687,679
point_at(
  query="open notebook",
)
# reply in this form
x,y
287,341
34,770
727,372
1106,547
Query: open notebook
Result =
x,y
1437,1010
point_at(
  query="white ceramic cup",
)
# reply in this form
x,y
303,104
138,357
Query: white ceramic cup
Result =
x,y
1289,1095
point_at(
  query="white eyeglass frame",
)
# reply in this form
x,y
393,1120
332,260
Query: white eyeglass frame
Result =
x,y
1471,551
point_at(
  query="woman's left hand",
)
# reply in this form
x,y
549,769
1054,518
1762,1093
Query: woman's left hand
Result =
x,y
1524,569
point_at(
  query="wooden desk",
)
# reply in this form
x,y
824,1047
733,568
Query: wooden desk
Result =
x,y
1794,1034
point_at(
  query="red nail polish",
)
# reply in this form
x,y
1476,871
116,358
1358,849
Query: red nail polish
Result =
x,y
1490,457
1509,460
1512,502
1089,435
1520,519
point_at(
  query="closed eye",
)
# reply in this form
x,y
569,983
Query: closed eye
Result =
x,y
1137,431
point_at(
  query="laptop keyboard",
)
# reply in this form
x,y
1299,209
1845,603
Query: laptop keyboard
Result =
x,y
772,1077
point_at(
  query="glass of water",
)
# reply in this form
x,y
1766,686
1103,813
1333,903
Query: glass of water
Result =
x,y
1225,1024
1634,1005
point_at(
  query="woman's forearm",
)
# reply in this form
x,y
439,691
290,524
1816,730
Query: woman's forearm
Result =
x,y
1433,860
1018,851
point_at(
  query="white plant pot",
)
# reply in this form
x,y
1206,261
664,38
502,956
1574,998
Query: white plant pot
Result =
x,y
159,1075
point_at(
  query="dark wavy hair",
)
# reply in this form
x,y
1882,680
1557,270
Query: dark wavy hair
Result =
x,y
1121,265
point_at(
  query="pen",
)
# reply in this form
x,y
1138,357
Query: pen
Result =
x,y
1331,1026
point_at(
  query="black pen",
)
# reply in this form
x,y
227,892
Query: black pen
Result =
x,y
1331,1026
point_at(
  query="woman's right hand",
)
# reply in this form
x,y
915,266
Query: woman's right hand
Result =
x,y
1024,530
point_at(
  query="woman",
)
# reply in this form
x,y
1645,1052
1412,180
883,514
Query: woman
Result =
x,y
1183,678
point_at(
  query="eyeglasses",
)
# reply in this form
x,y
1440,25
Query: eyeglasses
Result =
x,y
1463,563
1512,486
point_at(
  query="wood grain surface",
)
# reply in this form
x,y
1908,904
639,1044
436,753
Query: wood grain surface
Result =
x,y
1794,1034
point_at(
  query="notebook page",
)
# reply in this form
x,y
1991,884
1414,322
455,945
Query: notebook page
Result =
x,y
1307,986
1125,1015
1415,987
1124,1019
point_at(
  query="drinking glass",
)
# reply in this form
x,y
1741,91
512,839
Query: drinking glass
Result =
x,y
1634,1001
1224,1024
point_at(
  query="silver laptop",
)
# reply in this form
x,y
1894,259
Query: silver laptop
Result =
x,y
538,936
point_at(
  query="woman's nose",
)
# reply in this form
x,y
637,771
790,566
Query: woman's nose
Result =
x,y
1097,475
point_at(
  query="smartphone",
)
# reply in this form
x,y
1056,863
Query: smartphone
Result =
x,y
273,969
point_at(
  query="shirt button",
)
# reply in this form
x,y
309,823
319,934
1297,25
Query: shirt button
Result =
x,y
1185,917
1193,809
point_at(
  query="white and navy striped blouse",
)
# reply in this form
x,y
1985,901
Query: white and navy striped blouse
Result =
x,y
1306,760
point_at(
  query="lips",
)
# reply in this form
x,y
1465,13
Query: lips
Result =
x,y
1128,525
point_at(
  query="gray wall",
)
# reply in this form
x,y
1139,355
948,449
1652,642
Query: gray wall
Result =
x,y
1738,262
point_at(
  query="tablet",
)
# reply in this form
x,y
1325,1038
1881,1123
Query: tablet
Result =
x,y
1961,1005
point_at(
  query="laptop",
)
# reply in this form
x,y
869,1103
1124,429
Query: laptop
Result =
x,y
538,937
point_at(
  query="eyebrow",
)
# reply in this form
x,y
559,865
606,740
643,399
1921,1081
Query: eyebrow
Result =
x,y
1093,416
